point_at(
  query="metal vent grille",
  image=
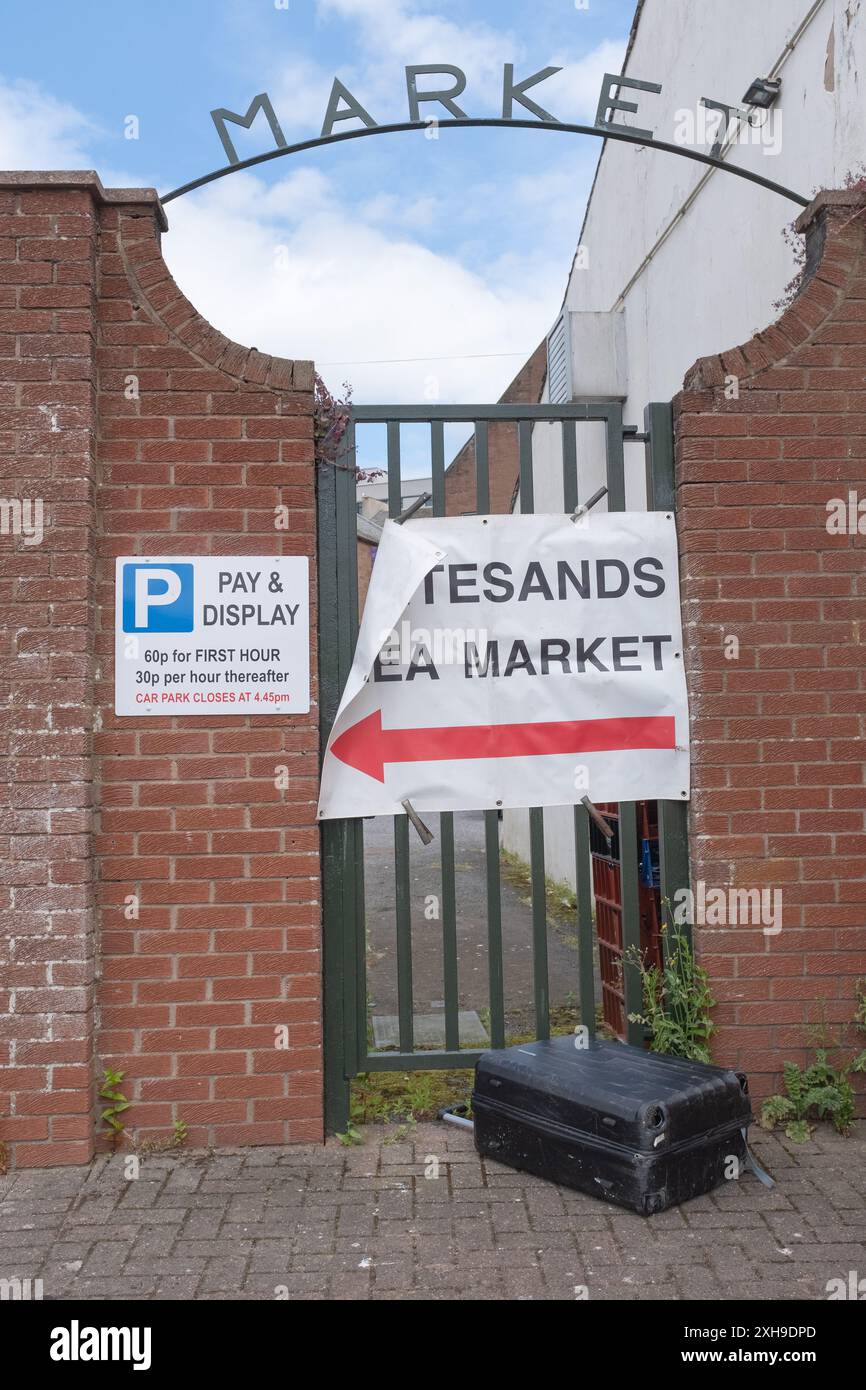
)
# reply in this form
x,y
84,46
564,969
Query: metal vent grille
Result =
x,y
559,383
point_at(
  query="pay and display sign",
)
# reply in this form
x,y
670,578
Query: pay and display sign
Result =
x,y
215,634
509,661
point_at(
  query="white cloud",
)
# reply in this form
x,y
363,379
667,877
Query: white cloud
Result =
x,y
393,30
39,132
299,91
416,214
574,92
341,289
553,192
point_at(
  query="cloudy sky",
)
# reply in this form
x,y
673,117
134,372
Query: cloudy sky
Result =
x,y
412,268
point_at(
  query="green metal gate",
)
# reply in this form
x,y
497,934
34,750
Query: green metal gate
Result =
x,y
347,1051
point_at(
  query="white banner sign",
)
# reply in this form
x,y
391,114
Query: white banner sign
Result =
x,y
212,634
509,661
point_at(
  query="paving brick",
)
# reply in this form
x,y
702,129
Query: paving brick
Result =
x,y
244,1225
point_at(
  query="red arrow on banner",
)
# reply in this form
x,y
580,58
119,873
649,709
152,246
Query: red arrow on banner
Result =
x,y
366,746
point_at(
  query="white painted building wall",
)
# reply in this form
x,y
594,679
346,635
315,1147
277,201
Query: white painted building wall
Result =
x,y
697,263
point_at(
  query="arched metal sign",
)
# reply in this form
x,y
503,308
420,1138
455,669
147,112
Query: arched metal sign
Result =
x,y
344,106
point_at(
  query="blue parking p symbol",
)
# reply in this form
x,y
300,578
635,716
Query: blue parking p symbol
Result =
x,y
158,598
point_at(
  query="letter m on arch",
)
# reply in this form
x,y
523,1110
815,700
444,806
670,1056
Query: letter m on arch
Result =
x,y
262,102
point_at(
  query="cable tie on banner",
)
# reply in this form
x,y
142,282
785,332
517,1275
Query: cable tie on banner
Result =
x,y
424,835
603,825
415,507
587,506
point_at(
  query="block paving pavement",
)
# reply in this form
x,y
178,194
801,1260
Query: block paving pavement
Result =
x,y
328,1222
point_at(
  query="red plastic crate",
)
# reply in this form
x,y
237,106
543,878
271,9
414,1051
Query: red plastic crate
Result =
x,y
612,996
606,879
608,923
607,889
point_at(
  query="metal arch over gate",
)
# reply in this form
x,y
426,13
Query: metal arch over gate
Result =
x,y
606,132
346,1022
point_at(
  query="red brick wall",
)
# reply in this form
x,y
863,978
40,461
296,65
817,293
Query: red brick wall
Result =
x,y
365,570
47,935
777,734
182,813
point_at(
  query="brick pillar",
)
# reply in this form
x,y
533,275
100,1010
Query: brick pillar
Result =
x,y
223,861
777,727
48,247
183,815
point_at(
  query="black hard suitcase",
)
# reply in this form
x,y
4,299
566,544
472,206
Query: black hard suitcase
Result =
x,y
637,1128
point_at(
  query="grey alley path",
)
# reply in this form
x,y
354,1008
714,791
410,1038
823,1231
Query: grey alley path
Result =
x,y
325,1222
471,895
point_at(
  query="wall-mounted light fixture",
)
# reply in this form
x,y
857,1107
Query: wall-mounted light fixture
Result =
x,y
763,92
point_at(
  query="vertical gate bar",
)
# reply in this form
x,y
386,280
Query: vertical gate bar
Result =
x,y
347,571
356,916
631,942
354,989
495,974
446,818
336,862
494,931
350,947
582,866
585,950
536,814
395,485
362,1021
658,424
615,460
482,468
673,815
524,450
539,923
449,931
437,465
402,905
404,934
336,1063
569,465
674,868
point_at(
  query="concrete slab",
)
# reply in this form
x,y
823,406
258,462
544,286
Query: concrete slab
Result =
x,y
429,1030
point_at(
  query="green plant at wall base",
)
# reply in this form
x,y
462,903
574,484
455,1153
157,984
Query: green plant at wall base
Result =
x,y
111,1114
402,1132
822,1091
350,1136
179,1136
677,1000
4,1159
